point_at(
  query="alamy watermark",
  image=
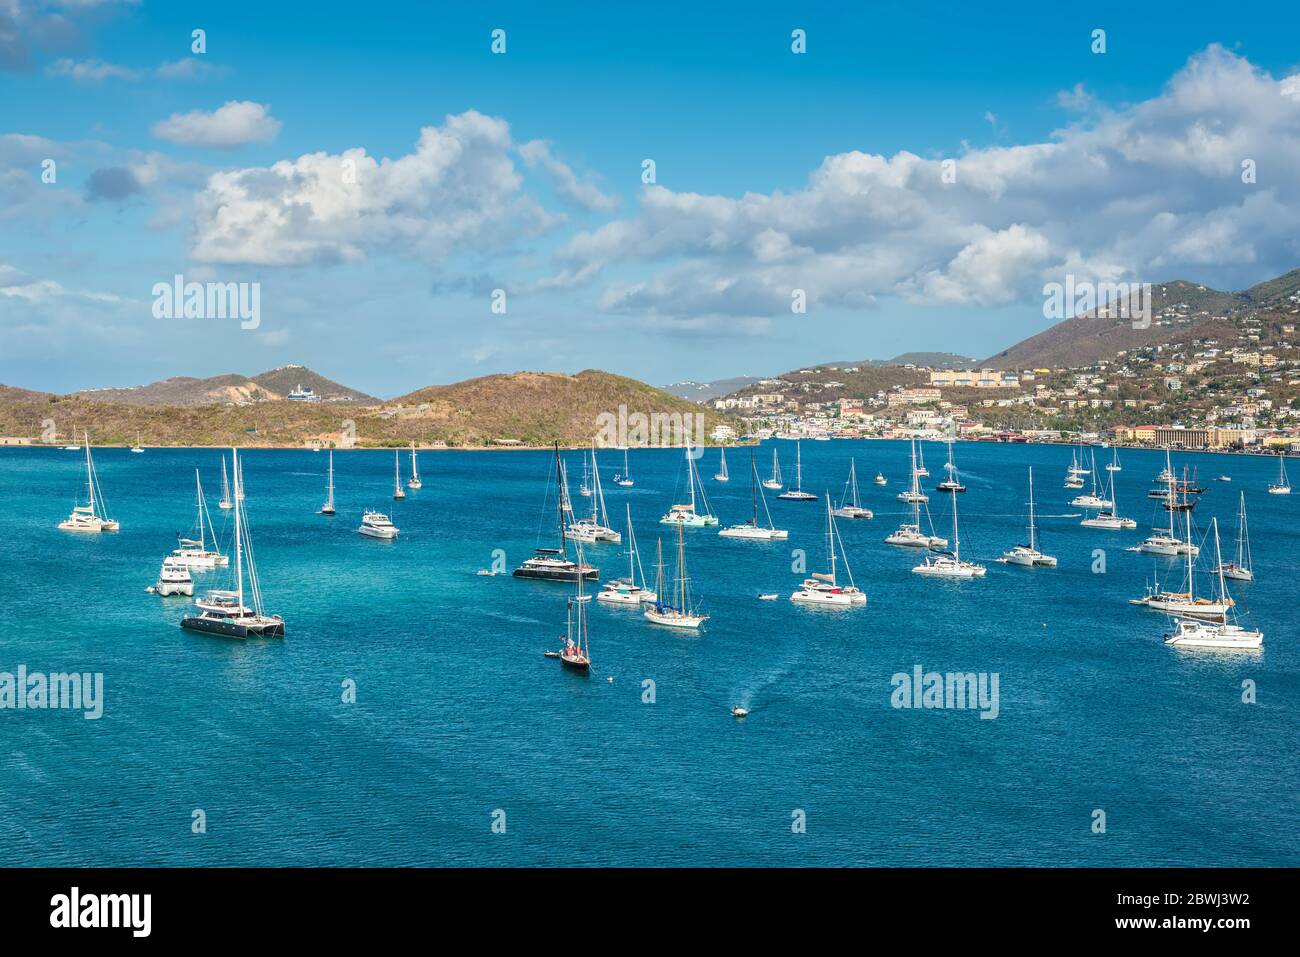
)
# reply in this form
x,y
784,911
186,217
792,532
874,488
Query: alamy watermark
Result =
x,y
639,430
952,690
37,691
179,299
1122,300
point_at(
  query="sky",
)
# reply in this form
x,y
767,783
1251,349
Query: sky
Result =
x,y
415,208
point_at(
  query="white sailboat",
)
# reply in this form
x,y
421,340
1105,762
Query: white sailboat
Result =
x,y
1283,485
1109,517
137,447
1226,635
776,482
685,513
722,475
328,507
194,552
414,481
1092,499
624,478
554,564
1167,542
1028,556
951,483
909,534
950,564
225,504
630,590
850,504
797,494
685,613
1240,569
596,527
921,470
880,478
753,530
398,494
1113,465
93,516
823,588
1185,604
224,612
585,488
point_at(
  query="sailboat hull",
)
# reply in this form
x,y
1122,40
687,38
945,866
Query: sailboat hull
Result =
x,y
231,628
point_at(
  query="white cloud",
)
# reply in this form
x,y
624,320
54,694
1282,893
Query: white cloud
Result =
x,y
234,124
458,191
537,153
91,71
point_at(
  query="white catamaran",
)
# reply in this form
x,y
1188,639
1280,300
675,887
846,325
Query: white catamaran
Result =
x,y
1241,569
685,513
93,516
194,552
797,494
226,502
1185,604
624,478
951,483
1108,517
630,590
950,564
1226,635
594,528
753,530
1092,499
909,534
776,482
1028,556
823,588
1162,541
1283,485
722,475
850,503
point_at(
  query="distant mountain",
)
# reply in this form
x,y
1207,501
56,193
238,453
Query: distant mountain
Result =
x,y
702,391
188,392
932,360
1180,310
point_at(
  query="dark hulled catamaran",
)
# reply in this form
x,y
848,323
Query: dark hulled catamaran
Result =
x,y
553,564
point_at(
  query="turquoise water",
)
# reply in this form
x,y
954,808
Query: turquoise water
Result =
x,y
457,714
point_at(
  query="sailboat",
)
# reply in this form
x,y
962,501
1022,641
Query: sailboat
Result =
x,y
850,505
776,482
624,478
224,612
1075,473
553,564
1028,556
685,514
950,564
398,494
414,481
595,528
585,488
1228,635
797,494
225,504
1240,570
722,475
239,480
627,591
921,470
1185,604
753,530
684,614
950,484
1114,465
1092,499
576,655
1160,541
194,552
137,447
880,478
1109,517
909,534
91,517
823,588
328,507
1283,485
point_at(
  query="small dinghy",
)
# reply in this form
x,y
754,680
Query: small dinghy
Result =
x,y
551,654
768,597
739,712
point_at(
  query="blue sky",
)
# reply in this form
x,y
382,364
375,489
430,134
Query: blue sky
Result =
x,y
775,172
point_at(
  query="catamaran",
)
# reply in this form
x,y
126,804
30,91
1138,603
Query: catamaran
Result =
x,y
1283,485
173,579
823,588
624,478
950,484
909,534
1113,465
1092,499
377,525
328,507
137,447
721,475
91,517
398,494
1075,473
576,655
627,591
194,552
553,564
950,564
1185,604
1028,556
776,481
1109,517
1227,635
921,470
414,481
850,505
596,527
685,514
585,488
1160,541
797,494
684,614
1240,569
224,613
225,504
753,530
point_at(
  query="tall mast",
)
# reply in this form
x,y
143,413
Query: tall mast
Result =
x,y
90,476
631,549
560,495
239,544
853,482
753,485
916,491
798,466
331,488
830,539
198,504
1218,563
1243,547
681,570
1032,547
956,539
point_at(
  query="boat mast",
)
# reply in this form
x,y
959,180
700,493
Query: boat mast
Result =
x,y
198,503
956,539
90,477
753,485
830,538
239,544
1032,545
1218,563
798,467
330,501
1243,541
853,482
561,493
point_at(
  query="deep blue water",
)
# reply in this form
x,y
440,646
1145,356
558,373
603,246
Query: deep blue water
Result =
x,y
458,713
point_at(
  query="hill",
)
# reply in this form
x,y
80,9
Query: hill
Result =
x,y
703,391
188,392
1179,308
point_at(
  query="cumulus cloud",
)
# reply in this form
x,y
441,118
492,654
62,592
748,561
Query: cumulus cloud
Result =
x,y
458,191
537,154
91,71
236,123
1147,192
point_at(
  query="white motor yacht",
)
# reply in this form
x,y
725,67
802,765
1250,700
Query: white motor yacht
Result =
x,y
174,579
377,525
